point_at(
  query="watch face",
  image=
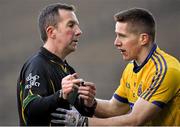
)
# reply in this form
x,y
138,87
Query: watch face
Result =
x,y
60,94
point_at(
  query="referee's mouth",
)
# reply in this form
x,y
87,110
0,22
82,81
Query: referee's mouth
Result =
x,y
75,40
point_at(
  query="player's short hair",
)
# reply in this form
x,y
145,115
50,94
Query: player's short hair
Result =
x,y
140,21
49,16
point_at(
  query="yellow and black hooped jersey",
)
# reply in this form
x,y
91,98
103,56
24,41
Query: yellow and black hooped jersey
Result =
x,y
157,80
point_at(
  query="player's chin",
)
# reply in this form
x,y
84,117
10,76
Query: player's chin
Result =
x,y
126,58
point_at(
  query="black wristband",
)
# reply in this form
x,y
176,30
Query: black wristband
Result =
x,y
83,109
91,110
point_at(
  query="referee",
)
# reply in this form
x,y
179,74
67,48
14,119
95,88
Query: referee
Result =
x,y
39,88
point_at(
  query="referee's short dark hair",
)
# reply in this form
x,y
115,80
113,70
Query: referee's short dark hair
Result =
x,y
140,21
49,16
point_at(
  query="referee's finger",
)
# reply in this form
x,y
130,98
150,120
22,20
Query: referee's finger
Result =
x,y
75,75
68,77
59,116
77,81
61,110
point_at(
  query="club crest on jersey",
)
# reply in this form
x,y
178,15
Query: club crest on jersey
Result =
x,y
32,81
128,85
139,90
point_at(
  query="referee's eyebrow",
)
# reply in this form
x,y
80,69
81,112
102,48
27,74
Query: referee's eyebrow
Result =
x,y
73,22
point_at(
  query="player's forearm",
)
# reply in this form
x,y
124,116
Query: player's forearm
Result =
x,y
110,108
104,109
124,120
101,110
142,112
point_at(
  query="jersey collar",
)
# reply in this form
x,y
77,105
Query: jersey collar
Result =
x,y
51,56
137,68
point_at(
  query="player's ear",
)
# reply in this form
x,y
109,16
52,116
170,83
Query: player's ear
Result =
x,y
50,31
144,38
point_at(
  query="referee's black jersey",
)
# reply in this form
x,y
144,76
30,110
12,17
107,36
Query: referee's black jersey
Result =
x,y
38,88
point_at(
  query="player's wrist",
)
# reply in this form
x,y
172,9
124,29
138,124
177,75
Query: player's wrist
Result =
x,y
94,105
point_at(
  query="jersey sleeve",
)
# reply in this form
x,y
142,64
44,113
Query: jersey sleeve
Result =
x,y
36,100
164,86
120,93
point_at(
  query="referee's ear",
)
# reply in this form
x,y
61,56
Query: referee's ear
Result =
x,y
50,31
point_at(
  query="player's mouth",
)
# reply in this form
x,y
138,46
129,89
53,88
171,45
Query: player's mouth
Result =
x,y
122,50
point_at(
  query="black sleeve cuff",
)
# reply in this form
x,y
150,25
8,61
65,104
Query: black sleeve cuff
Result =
x,y
84,110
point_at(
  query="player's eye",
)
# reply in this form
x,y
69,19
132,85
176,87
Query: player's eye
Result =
x,y
121,35
71,24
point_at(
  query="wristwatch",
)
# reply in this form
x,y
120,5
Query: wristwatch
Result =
x,y
60,94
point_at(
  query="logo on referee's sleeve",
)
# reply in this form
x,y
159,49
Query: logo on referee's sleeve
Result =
x,y
31,81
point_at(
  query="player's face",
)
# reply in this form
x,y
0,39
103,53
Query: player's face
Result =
x,y
68,31
127,42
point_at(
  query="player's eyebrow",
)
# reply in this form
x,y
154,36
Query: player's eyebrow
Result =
x,y
120,34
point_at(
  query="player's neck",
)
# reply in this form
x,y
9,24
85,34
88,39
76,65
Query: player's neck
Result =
x,y
143,54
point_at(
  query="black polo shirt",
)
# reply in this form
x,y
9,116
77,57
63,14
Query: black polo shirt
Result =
x,y
38,88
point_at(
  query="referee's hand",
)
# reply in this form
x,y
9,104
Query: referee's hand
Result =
x,y
68,118
69,84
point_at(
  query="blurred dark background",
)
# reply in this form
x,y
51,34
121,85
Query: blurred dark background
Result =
x,y
96,59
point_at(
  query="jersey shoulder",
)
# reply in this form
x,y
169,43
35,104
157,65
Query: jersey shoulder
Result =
x,y
36,62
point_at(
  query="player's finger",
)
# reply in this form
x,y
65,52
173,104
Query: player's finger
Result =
x,y
86,95
86,90
90,84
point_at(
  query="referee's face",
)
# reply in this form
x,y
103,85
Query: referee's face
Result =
x,y
68,32
127,42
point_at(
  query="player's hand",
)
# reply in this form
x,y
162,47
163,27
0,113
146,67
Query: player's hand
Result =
x,y
69,84
87,92
68,118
